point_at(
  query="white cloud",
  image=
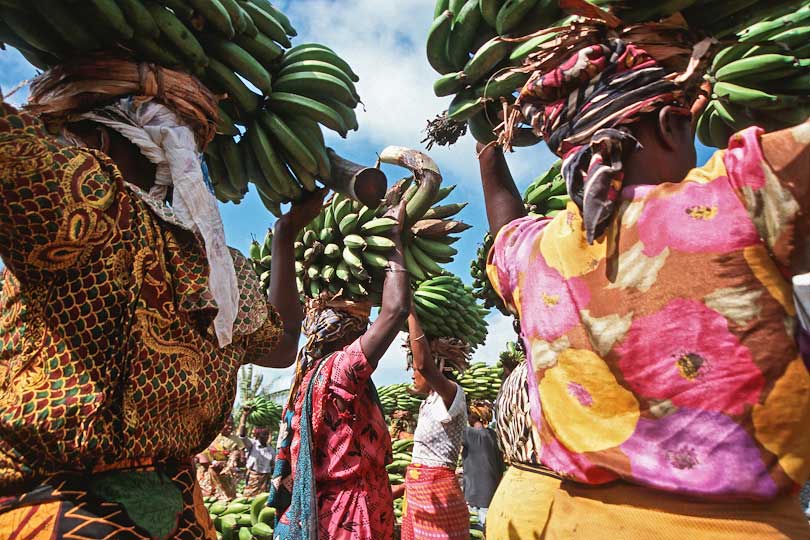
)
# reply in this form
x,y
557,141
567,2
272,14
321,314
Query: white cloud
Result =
x,y
500,332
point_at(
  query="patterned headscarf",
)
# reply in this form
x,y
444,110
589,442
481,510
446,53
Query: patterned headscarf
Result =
x,y
327,319
581,109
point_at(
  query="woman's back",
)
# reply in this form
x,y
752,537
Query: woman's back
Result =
x,y
665,352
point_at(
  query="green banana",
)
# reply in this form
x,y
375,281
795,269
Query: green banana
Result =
x,y
377,226
354,241
233,164
178,34
262,48
292,104
267,24
316,85
245,100
280,178
462,34
449,84
316,51
740,95
346,113
348,224
489,11
288,139
755,66
486,58
511,14
214,14
64,22
139,17
437,39
111,16
464,106
320,67
379,243
433,248
522,51
445,211
234,56
309,133
428,265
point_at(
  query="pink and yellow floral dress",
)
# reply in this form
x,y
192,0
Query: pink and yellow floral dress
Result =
x,y
664,354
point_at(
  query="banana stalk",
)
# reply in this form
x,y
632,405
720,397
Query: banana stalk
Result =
x,y
364,184
424,170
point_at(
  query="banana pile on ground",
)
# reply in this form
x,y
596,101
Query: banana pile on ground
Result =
x,y
264,413
242,518
225,43
398,397
764,80
475,46
346,246
481,381
544,197
447,309
403,450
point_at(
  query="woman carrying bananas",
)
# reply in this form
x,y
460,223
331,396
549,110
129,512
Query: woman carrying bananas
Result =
x,y
330,479
125,316
664,380
434,504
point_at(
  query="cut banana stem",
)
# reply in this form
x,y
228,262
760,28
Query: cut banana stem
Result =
x,y
361,183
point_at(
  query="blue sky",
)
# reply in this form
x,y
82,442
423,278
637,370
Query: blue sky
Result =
x,y
384,43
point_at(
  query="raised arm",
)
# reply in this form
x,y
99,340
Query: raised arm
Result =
x,y
501,196
423,362
396,298
283,289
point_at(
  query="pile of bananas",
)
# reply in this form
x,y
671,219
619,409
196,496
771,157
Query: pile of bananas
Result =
x,y
764,80
264,413
544,197
261,257
476,44
481,381
398,397
242,518
448,309
403,451
224,43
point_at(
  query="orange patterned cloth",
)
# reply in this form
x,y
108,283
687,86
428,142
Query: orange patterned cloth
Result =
x,y
664,354
434,506
107,351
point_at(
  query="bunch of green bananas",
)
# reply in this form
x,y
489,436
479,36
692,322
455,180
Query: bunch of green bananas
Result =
x,y
402,450
447,308
346,246
722,18
261,257
242,518
398,397
264,413
546,196
763,80
282,151
513,354
481,381
234,47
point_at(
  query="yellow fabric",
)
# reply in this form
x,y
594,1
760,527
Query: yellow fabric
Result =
x,y
583,513
533,506
519,510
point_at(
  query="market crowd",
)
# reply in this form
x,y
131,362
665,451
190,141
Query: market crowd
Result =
x,y
665,394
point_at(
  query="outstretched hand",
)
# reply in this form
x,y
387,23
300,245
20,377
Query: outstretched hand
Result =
x,y
305,210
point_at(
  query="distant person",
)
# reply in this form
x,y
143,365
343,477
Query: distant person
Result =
x,y
261,457
434,504
483,462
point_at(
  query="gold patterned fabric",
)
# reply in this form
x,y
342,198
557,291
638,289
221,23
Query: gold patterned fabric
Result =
x,y
107,351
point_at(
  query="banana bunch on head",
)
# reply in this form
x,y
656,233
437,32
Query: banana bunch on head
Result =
x,y
763,80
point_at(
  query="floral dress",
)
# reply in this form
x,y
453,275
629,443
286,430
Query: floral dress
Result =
x,y
664,353
351,449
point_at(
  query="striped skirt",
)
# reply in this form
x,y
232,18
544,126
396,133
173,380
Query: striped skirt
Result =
x,y
434,505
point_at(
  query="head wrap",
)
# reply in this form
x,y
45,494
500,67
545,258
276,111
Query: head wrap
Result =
x,y
581,108
483,409
170,116
450,354
327,319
